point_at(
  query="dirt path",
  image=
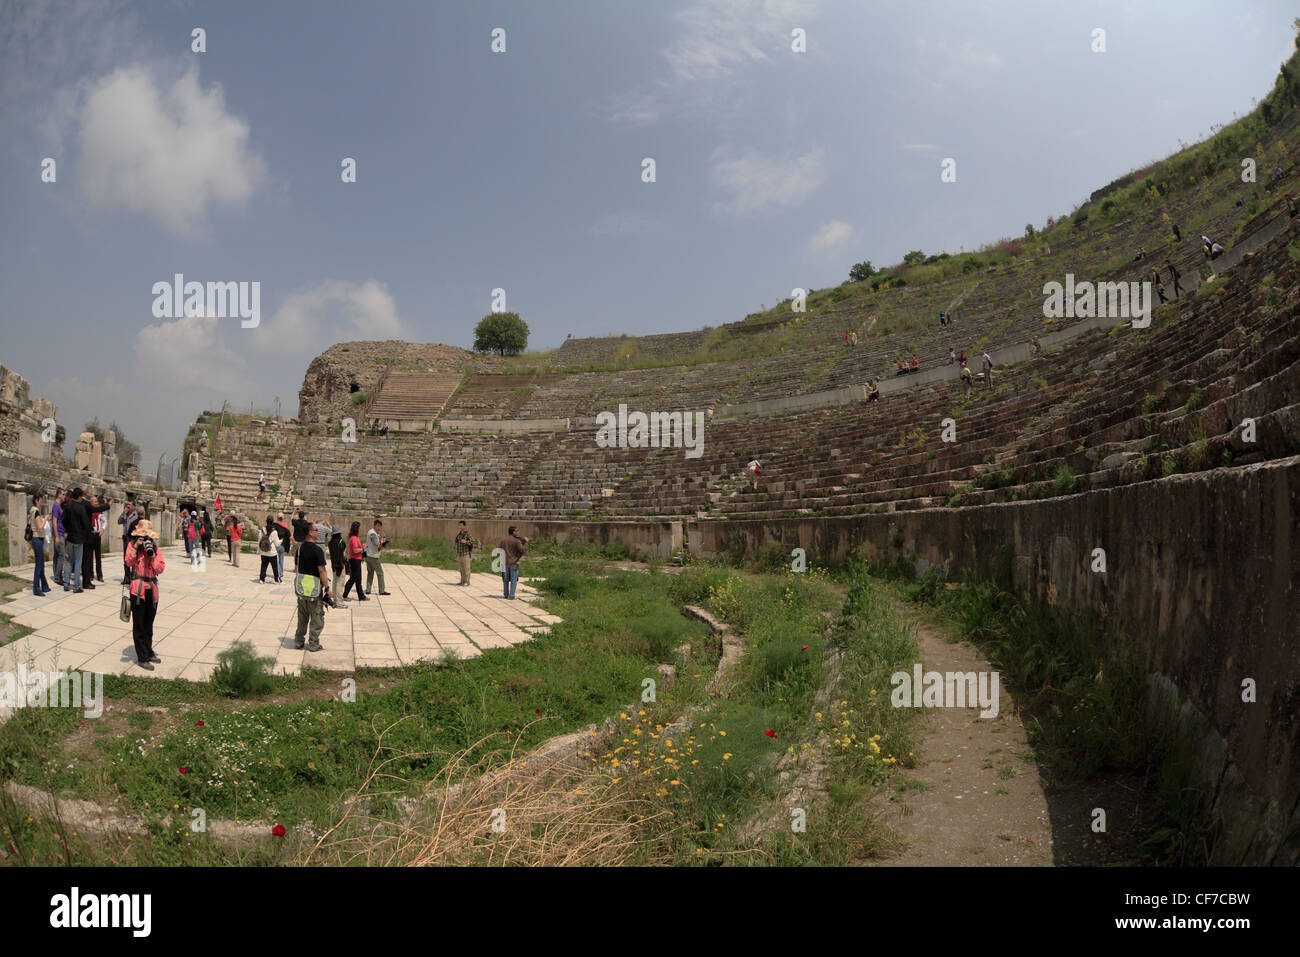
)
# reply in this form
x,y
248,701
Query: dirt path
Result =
x,y
975,796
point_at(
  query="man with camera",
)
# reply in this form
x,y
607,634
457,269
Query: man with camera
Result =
x,y
375,545
312,595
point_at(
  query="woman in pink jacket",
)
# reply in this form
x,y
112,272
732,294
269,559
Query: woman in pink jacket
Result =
x,y
145,563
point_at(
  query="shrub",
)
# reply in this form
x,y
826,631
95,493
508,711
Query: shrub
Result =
x,y
239,672
563,584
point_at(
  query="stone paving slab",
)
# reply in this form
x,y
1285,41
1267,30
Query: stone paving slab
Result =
x,y
427,616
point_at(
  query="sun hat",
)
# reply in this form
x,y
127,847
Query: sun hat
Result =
x,y
144,529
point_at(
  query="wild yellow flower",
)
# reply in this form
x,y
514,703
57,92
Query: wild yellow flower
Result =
x,y
723,733
726,756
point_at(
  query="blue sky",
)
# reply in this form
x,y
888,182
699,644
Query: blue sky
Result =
x,y
523,169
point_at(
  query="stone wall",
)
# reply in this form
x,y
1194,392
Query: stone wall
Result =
x,y
644,539
1203,576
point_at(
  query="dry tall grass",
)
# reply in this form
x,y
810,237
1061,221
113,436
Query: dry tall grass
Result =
x,y
552,810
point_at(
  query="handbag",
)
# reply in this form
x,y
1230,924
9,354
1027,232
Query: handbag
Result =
x,y
307,586
124,612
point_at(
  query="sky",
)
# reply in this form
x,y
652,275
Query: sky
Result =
x,y
524,168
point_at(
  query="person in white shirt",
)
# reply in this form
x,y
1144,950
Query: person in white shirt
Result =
x,y
987,363
374,545
755,470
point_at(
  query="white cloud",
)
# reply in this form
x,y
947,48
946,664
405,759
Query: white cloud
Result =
x,y
182,353
716,40
170,153
334,311
943,63
831,234
756,182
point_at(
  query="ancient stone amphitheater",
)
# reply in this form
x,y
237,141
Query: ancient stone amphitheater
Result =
x,y
1174,448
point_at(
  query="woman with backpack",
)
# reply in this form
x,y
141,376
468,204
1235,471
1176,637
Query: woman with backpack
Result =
x,y
37,532
207,533
355,551
266,551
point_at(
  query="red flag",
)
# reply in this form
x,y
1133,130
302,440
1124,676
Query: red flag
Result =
x,y
217,503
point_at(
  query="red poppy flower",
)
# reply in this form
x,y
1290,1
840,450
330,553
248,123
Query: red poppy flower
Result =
x,y
770,733
278,830
804,648
537,711
185,770
200,724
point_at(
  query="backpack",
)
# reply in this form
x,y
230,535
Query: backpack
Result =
x,y
264,540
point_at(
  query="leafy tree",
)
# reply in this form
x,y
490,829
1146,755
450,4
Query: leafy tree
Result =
x,y
861,271
915,256
1029,230
501,332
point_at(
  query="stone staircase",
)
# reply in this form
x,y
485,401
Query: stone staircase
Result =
x,y
418,396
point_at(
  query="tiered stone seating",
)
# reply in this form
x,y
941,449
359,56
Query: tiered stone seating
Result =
x,y
429,474
242,453
1081,409
494,395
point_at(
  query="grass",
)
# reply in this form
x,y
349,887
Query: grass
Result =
x,y
298,751
294,760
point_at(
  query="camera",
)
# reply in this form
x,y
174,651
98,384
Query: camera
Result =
x,y
149,547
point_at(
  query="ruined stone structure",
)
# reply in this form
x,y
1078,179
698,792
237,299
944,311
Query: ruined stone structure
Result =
x,y
29,463
347,370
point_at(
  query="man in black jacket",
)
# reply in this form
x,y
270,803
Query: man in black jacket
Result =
x,y
76,522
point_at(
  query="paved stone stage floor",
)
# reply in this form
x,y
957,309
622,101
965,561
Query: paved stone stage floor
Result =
x,y
202,613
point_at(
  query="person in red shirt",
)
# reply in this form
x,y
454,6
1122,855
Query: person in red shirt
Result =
x,y
234,535
145,563
355,552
